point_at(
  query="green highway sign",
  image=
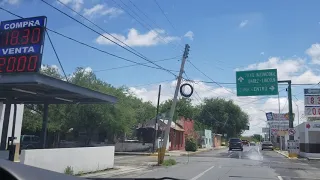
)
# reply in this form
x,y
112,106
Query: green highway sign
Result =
x,y
257,82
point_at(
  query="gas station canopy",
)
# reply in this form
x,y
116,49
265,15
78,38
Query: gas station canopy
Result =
x,y
36,88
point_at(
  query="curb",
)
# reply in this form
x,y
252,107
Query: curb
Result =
x,y
285,155
312,159
167,154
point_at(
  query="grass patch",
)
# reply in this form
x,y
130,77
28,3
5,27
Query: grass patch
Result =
x,y
68,170
169,162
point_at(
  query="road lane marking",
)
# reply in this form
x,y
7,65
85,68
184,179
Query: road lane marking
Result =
x,y
280,178
201,174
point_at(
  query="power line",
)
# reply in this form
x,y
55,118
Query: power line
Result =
x,y
154,23
141,85
84,44
103,51
121,67
142,24
165,15
210,78
55,52
216,121
132,51
232,83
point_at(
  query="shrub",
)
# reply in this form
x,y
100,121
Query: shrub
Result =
x,y
191,145
169,162
68,170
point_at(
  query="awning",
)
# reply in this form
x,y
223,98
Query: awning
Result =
x,y
36,88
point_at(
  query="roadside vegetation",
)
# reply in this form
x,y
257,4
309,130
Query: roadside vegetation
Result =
x,y
169,162
114,122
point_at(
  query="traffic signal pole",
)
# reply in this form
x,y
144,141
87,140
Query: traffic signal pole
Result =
x,y
173,106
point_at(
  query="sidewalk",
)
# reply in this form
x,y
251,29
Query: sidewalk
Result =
x,y
169,153
117,171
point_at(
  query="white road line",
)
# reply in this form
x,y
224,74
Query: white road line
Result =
x,y
201,174
230,154
280,178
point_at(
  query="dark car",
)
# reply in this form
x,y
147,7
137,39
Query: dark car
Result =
x,y
29,142
235,143
267,145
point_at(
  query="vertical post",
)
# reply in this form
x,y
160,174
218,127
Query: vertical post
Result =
x,y
298,114
14,123
44,125
280,139
291,137
5,126
174,102
156,121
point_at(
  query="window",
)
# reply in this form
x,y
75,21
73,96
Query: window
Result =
x,y
36,139
26,139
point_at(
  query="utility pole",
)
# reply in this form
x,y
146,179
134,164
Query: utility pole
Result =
x,y
173,106
156,121
291,137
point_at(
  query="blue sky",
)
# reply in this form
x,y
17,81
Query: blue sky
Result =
x,y
226,35
279,29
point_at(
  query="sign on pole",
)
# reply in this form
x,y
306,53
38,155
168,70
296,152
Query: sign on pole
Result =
x,y
291,131
21,44
312,103
293,147
257,82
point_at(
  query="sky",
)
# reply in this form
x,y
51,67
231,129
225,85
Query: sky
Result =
x,y
224,37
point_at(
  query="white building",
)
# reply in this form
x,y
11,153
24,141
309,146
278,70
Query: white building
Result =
x,y
308,134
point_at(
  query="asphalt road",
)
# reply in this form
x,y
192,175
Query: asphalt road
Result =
x,y
251,164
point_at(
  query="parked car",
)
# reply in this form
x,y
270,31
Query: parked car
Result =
x,y
235,143
29,142
267,145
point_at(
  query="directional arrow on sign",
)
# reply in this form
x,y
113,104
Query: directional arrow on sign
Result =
x,y
271,88
240,79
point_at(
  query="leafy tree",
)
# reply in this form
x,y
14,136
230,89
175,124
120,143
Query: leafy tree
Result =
x,y
183,108
256,137
223,117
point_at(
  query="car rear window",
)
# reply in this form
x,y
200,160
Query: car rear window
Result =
x,y
235,140
267,143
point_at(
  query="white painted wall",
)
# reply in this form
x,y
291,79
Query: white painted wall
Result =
x,y
17,133
82,160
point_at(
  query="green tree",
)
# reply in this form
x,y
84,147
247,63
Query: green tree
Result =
x,y
184,108
256,137
223,117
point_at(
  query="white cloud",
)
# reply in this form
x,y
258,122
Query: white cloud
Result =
x,y
44,67
75,4
11,2
262,53
189,35
102,10
314,53
134,38
243,23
